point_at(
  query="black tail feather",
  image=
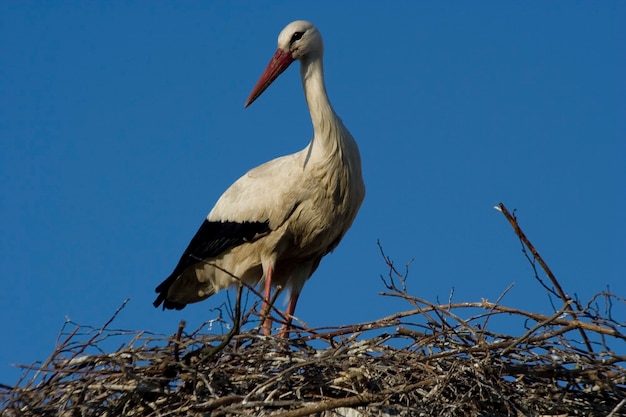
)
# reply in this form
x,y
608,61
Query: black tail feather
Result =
x,y
211,239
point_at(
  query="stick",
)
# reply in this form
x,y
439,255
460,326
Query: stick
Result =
x,y
564,297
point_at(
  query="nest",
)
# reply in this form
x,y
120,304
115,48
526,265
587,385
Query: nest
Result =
x,y
432,359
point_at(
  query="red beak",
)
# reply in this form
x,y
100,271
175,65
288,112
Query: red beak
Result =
x,y
279,63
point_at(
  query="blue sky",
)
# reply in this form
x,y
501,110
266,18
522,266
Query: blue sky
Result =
x,y
122,123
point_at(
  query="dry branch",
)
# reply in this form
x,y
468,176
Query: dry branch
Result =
x,y
559,290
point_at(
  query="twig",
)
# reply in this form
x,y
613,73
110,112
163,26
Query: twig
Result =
x,y
617,408
564,297
484,326
535,328
353,401
179,333
210,351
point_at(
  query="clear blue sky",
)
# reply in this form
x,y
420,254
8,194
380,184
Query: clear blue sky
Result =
x,y
122,123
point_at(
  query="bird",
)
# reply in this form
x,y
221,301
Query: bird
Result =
x,y
273,226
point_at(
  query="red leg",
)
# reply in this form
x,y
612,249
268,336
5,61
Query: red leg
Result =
x,y
265,309
291,308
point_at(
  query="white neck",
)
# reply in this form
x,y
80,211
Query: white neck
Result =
x,y
328,130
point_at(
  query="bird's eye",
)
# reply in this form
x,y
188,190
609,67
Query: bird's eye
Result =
x,y
296,36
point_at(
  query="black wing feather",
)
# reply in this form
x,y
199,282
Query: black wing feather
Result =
x,y
211,239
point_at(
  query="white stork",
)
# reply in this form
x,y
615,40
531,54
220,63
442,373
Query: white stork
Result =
x,y
276,223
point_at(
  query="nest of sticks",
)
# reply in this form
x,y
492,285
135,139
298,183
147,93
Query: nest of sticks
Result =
x,y
431,360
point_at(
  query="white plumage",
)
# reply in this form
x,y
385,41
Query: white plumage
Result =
x,y
274,224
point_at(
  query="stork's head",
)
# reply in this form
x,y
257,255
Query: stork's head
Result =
x,y
298,40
